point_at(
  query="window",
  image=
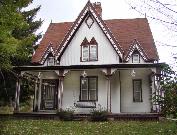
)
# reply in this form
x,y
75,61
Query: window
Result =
x,y
137,90
88,87
93,52
136,58
85,53
50,61
89,50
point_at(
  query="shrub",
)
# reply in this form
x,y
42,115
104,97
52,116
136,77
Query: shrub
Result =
x,y
66,115
100,114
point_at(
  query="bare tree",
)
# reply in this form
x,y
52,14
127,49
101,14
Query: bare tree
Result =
x,y
161,12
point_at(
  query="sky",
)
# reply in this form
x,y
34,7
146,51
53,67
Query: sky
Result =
x,y
68,10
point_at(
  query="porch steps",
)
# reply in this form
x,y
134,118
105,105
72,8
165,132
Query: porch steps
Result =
x,y
80,117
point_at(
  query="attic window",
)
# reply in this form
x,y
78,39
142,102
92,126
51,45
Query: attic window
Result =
x,y
136,58
89,51
50,61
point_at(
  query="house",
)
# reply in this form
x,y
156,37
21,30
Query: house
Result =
x,y
92,63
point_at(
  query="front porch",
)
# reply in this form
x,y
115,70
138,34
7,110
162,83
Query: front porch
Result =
x,y
60,89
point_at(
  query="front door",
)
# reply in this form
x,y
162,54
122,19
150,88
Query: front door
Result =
x,y
49,94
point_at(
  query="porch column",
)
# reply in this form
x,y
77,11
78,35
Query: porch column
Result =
x,y
60,93
17,96
60,90
108,77
35,95
39,95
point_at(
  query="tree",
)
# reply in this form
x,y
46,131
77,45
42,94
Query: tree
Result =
x,y
17,37
163,13
168,100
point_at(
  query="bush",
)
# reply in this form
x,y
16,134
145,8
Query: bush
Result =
x,y
66,115
99,114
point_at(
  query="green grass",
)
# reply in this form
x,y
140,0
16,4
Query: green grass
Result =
x,y
54,127
6,110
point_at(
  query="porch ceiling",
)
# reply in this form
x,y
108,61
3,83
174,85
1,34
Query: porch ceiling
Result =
x,y
120,66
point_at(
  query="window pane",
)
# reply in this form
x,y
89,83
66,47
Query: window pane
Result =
x,y
92,88
93,52
137,90
84,82
50,61
136,58
92,83
84,95
84,89
92,94
85,53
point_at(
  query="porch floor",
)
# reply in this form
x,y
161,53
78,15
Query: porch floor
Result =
x,y
78,116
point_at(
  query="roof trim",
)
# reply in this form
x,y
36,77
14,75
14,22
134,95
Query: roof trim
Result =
x,y
120,66
136,45
48,50
88,7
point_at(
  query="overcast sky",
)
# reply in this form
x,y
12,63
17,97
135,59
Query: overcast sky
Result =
x,y
68,10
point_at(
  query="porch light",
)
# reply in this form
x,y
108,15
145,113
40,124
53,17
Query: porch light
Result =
x,y
133,73
84,74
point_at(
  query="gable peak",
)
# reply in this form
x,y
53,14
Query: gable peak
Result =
x,y
85,41
93,41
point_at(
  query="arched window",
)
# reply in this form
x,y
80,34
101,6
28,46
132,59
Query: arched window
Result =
x,y
89,50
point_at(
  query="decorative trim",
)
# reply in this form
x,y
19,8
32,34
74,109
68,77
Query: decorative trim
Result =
x,y
89,26
48,50
57,67
76,25
93,41
85,42
136,46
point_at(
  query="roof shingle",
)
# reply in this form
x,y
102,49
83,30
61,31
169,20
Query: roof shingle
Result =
x,y
124,30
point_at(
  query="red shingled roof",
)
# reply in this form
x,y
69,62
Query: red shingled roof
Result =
x,y
124,30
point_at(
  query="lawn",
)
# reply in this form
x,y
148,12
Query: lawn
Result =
x,y
54,127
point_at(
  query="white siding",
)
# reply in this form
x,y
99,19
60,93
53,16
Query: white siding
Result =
x,y
106,53
72,89
127,104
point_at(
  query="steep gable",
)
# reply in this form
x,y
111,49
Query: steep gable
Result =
x,y
90,12
122,31
126,30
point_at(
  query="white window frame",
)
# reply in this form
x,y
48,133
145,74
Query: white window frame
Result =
x,y
50,61
88,78
136,58
85,58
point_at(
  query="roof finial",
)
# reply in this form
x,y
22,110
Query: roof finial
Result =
x,y
51,21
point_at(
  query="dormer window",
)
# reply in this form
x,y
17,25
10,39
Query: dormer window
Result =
x,y
50,61
89,51
135,58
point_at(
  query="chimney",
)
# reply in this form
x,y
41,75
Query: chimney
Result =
x,y
97,6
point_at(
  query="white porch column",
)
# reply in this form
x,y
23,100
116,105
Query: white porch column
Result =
x,y
60,90
60,93
108,73
39,95
35,95
108,77
17,96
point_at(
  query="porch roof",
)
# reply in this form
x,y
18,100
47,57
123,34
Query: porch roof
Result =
x,y
120,66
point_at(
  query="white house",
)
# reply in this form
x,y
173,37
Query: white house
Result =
x,y
92,63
